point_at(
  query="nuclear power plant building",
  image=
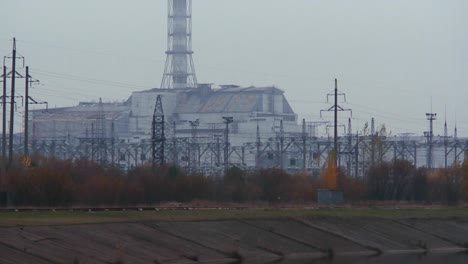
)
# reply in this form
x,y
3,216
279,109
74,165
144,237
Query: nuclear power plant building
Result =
x,y
194,114
265,106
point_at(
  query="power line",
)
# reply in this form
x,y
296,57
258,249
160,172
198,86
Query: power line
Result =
x,y
88,80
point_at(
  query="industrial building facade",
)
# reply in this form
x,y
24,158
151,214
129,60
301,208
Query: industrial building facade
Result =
x,y
194,114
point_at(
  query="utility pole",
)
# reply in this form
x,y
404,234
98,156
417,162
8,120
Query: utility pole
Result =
x,y
373,139
218,150
335,124
258,145
430,135
227,120
3,192
92,141
174,144
455,137
101,135
445,142
86,145
350,148
27,99
12,103
13,75
304,150
243,155
113,143
4,141
356,156
26,110
281,147
194,152
336,108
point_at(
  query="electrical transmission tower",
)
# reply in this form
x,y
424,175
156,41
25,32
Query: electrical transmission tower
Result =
x,y
4,102
258,144
180,70
304,146
280,139
445,141
13,75
158,138
227,120
336,108
28,100
100,135
350,149
193,150
430,136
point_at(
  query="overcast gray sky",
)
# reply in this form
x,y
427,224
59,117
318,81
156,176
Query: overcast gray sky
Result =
x,y
390,57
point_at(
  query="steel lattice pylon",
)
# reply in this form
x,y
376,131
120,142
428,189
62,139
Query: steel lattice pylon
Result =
x,y
100,135
158,138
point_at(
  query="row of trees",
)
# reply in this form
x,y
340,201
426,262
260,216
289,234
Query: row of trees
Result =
x,y
400,180
53,182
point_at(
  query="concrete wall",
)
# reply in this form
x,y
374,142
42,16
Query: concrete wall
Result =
x,y
73,122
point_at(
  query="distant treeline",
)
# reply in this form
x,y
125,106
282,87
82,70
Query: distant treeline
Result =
x,y
54,182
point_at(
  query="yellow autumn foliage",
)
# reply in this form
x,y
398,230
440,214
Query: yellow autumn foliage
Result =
x,y
328,178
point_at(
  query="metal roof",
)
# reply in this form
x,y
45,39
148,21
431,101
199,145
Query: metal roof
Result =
x,y
229,98
83,111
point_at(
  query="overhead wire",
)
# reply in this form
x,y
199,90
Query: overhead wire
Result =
x,y
86,79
